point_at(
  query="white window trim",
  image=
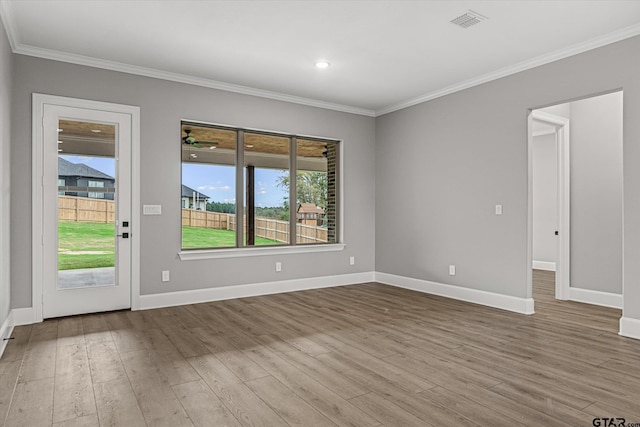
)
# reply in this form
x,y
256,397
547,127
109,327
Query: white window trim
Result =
x,y
245,251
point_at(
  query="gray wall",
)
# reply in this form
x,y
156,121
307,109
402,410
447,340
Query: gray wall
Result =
x,y
163,104
545,198
596,193
444,164
6,62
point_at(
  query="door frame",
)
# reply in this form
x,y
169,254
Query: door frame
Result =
x,y
563,262
37,192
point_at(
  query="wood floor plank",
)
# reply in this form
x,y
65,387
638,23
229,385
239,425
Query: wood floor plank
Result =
x,y
104,361
39,359
124,335
203,406
331,379
18,345
70,331
329,403
243,403
169,360
86,421
117,404
95,328
292,409
32,404
386,412
73,386
183,339
155,396
9,372
243,367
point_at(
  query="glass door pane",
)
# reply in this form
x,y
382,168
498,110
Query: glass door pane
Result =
x,y
86,204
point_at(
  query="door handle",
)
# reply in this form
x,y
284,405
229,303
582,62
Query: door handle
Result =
x,y
123,235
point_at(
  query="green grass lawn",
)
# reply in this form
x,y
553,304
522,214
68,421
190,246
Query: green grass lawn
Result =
x,y
92,245
194,237
85,245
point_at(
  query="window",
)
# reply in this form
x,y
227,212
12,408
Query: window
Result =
x,y
226,171
61,185
96,184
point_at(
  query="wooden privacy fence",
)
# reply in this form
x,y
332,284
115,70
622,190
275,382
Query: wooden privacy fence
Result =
x,y
267,228
83,209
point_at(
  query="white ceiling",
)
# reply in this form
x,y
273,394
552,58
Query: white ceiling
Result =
x,y
384,55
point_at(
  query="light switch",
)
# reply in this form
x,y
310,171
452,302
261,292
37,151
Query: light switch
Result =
x,y
498,209
152,210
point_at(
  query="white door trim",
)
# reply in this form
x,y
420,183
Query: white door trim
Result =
x,y
39,101
561,125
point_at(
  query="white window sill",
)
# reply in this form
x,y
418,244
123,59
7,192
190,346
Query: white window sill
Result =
x,y
258,251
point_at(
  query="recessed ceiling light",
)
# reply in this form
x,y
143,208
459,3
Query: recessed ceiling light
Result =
x,y
249,145
194,156
59,150
59,142
96,130
322,65
59,130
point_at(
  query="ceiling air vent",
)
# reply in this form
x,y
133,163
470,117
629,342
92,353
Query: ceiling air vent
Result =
x,y
468,19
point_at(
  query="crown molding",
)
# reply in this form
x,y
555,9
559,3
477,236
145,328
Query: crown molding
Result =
x,y
183,78
9,21
585,46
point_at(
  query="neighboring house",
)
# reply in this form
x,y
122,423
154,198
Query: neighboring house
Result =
x,y
310,214
192,199
78,179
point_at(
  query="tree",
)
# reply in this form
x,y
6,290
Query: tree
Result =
x,y
311,187
221,207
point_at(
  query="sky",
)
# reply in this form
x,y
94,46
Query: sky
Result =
x,y
103,164
217,182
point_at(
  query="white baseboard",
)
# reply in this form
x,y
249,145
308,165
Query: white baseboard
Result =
x,y
605,299
170,299
544,265
504,302
23,316
630,327
5,332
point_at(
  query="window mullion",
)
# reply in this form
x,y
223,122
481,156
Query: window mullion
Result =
x,y
293,203
240,189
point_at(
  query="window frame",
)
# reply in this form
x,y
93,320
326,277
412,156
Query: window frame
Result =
x,y
241,249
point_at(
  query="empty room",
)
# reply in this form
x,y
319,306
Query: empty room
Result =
x,y
324,213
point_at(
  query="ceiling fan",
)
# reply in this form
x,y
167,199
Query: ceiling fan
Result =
x,y
192,141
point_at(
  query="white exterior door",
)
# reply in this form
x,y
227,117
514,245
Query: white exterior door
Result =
x,y
85,212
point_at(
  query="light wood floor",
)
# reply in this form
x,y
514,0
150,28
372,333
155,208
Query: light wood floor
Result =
x,y
364,355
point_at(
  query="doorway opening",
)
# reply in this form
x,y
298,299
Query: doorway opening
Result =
x,y
575,200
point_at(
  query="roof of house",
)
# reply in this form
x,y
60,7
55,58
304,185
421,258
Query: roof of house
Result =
x,y
309,208
188,192
66,168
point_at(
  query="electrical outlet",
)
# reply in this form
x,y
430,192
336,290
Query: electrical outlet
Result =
x,y
452,270
352,260
165,276
278,266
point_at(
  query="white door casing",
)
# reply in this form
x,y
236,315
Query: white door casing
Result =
x,y
562,127
48,301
